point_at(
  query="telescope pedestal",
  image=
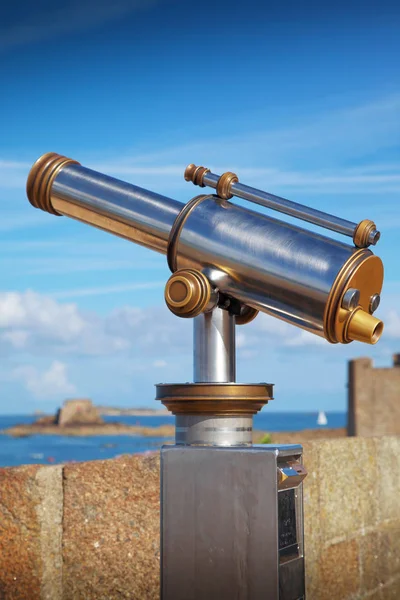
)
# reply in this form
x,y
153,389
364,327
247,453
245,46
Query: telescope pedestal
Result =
x,y
231,513
227,529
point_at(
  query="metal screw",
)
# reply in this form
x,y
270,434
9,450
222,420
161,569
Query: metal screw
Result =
x,y
350,299
374,303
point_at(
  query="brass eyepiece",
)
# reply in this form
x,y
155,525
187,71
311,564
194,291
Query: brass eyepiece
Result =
x,y
41,177
363,327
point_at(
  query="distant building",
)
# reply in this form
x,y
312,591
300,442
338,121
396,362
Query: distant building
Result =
x,y
78,412
373,398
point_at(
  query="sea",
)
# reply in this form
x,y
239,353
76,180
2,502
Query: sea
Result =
x,y
56,449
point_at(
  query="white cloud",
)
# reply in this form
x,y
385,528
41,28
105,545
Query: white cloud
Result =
x,y
18,338
38,324
45,385
39,314
41,325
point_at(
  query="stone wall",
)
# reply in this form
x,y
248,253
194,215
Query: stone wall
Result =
x,y
91,530
373,398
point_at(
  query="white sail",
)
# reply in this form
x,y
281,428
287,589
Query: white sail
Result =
x,y
322,420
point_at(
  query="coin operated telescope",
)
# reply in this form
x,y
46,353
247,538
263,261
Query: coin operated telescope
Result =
x,y
232,518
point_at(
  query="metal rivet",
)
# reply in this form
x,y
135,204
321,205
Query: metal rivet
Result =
x,y
351,299
374,303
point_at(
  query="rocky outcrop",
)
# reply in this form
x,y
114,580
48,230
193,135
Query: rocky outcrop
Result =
x,y
78,412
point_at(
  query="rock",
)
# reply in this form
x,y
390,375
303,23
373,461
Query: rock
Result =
x,y
46,420
78,412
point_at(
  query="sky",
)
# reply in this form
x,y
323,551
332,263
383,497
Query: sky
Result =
x,y
300,99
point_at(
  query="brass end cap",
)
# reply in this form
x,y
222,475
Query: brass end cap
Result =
x,y
187,293
225,183
195,174
362,274
363,327
366,234
41,177
219,399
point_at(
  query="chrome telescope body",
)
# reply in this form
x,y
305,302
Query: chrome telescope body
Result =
x,y
304,278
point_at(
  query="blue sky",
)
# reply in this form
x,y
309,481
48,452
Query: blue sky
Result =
x,y
300,99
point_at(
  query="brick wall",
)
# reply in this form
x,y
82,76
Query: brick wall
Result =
x,y
373,398
91,530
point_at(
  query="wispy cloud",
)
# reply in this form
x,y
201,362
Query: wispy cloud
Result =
x,y
107,289
336,153
73,17
281,158
21,220
335,135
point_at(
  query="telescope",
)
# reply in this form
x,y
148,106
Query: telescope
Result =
x,y
231,512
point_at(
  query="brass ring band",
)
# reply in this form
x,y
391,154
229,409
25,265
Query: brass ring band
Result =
x,y
224,185
41,177
218,399
362,233
178,226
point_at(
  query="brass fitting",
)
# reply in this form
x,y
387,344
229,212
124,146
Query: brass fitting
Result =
x,y
188,293
195,174
363,327
361,277
218,399
247,314
366,234
224,185
41,177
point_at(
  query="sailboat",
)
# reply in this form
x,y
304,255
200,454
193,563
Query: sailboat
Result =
x,y
322,420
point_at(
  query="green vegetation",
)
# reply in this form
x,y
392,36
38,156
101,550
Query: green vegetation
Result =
x,y
266,439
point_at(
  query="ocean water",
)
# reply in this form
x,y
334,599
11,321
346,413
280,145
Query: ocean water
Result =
x,y
54,449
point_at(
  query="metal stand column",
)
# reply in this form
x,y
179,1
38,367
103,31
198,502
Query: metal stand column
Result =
x,y
231,512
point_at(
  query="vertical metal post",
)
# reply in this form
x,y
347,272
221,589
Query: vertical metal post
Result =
x,y
214,362
214,347
231,518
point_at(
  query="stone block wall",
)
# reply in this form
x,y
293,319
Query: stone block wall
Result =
x,y
352,519
373,398
90,531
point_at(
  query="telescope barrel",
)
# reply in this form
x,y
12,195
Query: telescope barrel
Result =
x,y
283,270
282,205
